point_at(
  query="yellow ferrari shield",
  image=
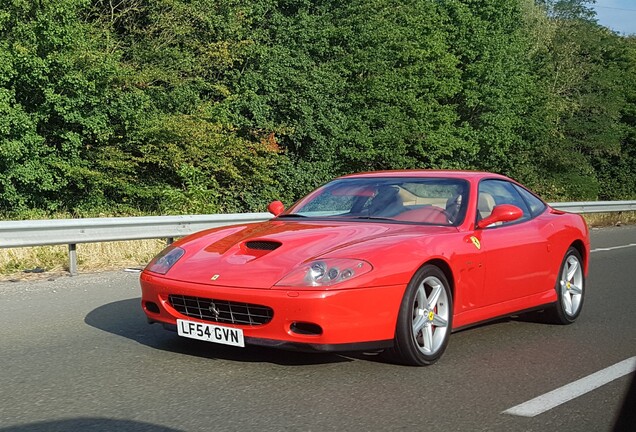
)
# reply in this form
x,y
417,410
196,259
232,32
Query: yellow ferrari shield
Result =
x,y
475,241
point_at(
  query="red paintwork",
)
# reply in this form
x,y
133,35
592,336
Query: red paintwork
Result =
x,y
501,213
515,268
275,208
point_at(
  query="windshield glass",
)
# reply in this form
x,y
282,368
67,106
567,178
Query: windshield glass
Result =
x,y
437,201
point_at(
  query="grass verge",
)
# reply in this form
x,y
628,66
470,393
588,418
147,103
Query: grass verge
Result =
x,y
47,261
610,219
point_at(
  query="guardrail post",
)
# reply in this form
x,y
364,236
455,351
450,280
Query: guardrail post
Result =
x,y
169,241
72,259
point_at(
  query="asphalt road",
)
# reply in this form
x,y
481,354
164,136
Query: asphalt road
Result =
x,y
77,354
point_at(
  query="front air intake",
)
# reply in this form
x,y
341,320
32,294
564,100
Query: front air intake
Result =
x,y
221,311
305,328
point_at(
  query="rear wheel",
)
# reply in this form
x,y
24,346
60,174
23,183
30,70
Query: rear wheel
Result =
x,y
425,318
570,288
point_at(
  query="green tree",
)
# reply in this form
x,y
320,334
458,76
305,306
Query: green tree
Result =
x,y
497,87
222,105
182,146
582,69
52,87
354,86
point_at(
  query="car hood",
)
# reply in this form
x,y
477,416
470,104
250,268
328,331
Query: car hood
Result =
x,y
259,255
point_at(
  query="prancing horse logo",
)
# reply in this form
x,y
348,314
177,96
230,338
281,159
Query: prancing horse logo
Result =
x,y
215,311
476,242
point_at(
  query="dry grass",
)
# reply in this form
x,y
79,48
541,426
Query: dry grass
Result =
x,y
91,257
610,219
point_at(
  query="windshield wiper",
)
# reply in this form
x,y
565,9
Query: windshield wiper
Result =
x,y
374,218
291,215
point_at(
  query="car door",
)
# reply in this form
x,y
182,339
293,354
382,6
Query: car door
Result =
x,y
514,253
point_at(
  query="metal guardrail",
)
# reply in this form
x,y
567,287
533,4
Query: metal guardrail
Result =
x,y
75,231
596,206
93,230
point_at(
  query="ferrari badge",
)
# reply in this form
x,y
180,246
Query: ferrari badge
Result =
x,y
475,241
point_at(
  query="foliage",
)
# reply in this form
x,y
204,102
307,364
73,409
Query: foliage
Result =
x,y
175,106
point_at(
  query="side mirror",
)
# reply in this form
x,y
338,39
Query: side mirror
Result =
x,y
275,208
501,213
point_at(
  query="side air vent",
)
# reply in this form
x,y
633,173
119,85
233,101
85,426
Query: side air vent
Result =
x,y
262,245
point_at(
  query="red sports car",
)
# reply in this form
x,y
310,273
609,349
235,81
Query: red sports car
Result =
x,y
392,260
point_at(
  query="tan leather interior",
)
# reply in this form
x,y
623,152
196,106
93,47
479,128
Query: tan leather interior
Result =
x,y
410,199
485,205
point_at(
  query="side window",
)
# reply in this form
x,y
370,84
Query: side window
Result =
x,y
535,204
496,192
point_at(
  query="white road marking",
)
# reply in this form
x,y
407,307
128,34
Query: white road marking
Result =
x,y
614,247
573,390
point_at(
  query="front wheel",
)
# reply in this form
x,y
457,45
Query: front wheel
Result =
x,y
425,318
570,288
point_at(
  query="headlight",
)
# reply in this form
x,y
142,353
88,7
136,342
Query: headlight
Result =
x,y
326,272
165,260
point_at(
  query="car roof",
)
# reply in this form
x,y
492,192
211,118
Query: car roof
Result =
x,y
467,175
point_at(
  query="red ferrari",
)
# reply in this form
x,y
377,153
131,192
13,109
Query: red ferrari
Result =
x,y
392,260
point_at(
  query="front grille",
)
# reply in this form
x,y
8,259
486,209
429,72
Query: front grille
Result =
x,y
221,311
262,245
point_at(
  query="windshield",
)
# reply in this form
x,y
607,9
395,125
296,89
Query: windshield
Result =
x,y
438,201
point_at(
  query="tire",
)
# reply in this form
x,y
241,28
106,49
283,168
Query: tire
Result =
x,y
570,289
425,319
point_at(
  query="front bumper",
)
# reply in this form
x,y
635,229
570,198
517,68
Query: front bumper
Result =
x,y
352,319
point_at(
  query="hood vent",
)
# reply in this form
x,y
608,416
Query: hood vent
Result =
x,y
262,245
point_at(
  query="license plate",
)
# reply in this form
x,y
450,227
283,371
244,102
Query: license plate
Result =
x,y
210,333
